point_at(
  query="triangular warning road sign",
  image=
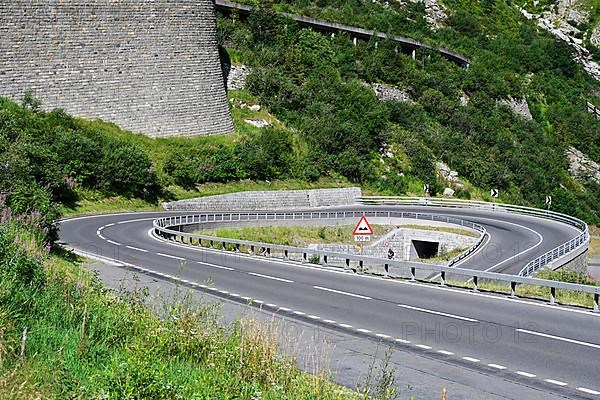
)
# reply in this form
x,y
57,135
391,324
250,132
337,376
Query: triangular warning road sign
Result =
x,y
363,227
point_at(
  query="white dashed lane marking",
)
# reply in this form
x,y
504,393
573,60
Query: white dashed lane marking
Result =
x,y
588,391
361,330
555,382
471,359
344,293
437,313
215,266
422,346
137,249
446,353
526,374
170,256
270,277
496,366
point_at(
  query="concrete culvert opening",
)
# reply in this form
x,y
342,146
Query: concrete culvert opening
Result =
x,y
425,249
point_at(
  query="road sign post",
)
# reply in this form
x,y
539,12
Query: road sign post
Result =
x,y
362,232
494,193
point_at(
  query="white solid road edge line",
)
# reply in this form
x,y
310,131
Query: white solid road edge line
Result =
x,y
270,277
344,293
437,313
595,346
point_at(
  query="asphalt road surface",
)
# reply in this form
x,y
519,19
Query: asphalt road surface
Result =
x,y
553,349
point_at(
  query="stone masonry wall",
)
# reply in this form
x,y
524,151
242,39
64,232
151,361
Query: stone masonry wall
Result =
x,y
269,200
149,66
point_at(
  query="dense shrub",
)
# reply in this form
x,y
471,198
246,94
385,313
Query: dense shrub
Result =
x,y
44,156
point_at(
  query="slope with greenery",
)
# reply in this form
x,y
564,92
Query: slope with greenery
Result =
x,y
313,82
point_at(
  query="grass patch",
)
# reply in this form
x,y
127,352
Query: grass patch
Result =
x,y
211,189
594,241
566,297
456,231
92,202
86,342
298,236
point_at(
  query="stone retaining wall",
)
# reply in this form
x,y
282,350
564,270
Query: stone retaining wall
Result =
x,y
151,66
269,200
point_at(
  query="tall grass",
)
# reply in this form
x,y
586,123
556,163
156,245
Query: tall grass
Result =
x,y
86,342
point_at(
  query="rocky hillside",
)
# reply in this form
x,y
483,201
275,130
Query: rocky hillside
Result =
x,y
376,116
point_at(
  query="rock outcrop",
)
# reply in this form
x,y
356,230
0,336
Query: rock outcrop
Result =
x,y
388,92
518,106
556,21
237,77
582,167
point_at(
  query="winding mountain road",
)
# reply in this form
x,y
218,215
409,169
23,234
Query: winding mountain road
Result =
x,y
554,349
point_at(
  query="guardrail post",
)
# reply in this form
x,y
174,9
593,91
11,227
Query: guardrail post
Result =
x,y
286,255
347,263
304,257
475,289
252,250
443,278
386,271
596,308
268,253
237,247
513,288
325,259
223,246
212,244
360,267
413,274
552,295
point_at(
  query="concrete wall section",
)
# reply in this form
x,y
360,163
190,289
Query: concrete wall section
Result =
x,y
149,66
269,200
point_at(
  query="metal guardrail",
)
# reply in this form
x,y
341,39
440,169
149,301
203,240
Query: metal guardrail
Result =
x,y
593,109
532,266
364,34
170,228
245,217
